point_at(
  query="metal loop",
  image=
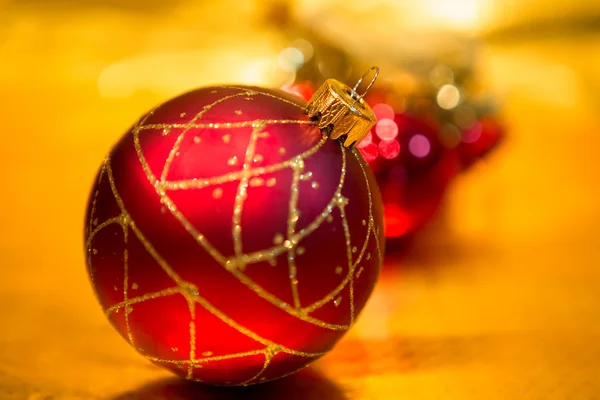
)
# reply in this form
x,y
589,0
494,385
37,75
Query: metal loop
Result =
x,y
355,93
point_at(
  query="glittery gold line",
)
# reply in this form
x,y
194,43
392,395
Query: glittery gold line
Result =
x,y
89,232
188,289
242,329
114,220
376,229
228,125
150,249
145,297
274,251
171,156
256,91
242,194
166,200
192,348
203,242
342,206
293,216
268,357
371,219
185,286
208,359
370,230
187,127
234,176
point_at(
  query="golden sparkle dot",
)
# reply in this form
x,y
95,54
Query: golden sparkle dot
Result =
x,y
329,218
301,250
233,161
338,270
182,115
256,182
95,251
115,288
134,286
337,301
217,193
278,239
364,222
281,150
258,158
248,98
213,91
226,138
354,249
207,353
368,256
163,210
238,112
271,182
287,244
315,185
95,222
165,131
197,139
174,349
306,176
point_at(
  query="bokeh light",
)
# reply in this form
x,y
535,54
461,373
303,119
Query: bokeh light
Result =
x,y
419,146
386,129
448,97
383,111
389,148
368,139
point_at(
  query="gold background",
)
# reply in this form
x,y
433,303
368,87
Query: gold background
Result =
x,y
496,299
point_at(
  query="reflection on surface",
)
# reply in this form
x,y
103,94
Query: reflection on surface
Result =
x,y
306,384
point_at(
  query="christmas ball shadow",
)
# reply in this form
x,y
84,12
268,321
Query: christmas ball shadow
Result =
x,y
307,384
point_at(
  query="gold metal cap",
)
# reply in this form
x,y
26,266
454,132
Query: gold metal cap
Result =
x,y
340,109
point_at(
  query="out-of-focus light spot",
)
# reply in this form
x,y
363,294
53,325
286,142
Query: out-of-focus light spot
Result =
x,y
290,59
383,111
369,152
419,146
441,75
117,81
389,148
396,220
472,135
465,117
366,141
458,13
305,47
448,97
450,136
386,129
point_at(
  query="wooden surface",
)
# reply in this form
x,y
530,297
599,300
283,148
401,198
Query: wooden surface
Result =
x,y
498,299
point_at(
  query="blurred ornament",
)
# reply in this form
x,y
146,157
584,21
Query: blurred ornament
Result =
x,y
229,240
434,120
412,167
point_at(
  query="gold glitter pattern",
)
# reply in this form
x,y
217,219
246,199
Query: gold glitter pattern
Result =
x,y
236,263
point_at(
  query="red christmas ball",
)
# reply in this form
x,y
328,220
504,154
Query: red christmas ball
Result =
x,y
477,141
412,167
228,240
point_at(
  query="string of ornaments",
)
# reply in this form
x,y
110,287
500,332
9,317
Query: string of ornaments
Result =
x,y
230,238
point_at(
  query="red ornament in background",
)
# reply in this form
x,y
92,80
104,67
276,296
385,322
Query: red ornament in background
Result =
x,y
228,240
412,166
477,141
